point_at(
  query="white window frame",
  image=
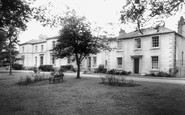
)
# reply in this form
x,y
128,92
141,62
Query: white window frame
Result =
x,y
136,43
119,65
42,47
154,44
94,61
119,45
53,59
36,48
155,64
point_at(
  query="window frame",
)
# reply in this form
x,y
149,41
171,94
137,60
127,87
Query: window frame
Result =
x,y
135,43
119,45
154,44
119,65
153,62
94,61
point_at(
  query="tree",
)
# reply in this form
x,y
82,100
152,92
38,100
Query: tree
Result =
x,y
77,40
142,11
14,14
10,45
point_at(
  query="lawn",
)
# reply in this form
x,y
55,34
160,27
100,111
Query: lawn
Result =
x,y
87,96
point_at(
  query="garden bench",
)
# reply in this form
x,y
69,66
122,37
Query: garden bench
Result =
x,y
57,76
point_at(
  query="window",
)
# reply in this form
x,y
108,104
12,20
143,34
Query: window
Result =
x,y
53,44
155,41
41,59
42,47
35,61
94,61
182,58
119,62
22,48
35,48
119,45
138,43
68,59
105,63
155,62
52,59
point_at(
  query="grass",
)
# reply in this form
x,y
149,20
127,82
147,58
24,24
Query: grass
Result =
x,y
88,96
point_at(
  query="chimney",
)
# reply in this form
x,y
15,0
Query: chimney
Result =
x,y
122,32
180,25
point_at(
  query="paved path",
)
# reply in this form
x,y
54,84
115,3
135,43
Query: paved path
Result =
x,y
135,77
140,78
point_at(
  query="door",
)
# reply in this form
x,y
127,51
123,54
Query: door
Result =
x,y
136,66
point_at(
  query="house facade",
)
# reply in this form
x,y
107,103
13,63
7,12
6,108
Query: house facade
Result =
x,y
39,52
149,50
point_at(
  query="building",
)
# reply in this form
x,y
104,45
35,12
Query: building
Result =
x,y
39,52
150,50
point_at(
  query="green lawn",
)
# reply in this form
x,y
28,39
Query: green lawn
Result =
x,y
87,96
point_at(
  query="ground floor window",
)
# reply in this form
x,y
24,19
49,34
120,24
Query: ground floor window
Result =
x,y
35,61
94,61
52,59
155,62
119,62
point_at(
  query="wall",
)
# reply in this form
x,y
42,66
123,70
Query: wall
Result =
x,y
146,52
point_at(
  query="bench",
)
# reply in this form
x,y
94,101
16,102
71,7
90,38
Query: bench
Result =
x,y
56,77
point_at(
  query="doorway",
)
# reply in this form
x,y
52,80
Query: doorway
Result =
x,y
136,66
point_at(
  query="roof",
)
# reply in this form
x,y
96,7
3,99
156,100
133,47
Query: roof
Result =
x,y
146,32
36,41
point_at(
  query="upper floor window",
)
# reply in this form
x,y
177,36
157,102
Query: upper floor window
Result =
x,y
22,48
119,62
53,44
155,41
138,43
119,45
36,48
155,62
42,47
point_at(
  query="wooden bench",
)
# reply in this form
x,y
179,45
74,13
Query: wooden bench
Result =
x,y
56,77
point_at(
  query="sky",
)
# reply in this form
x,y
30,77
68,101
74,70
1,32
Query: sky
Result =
x,y
98,12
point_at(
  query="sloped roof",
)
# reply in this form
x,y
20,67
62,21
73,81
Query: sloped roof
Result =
x,y
146,32
34,41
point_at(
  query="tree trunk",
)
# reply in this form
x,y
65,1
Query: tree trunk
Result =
x,y
10,72
78,70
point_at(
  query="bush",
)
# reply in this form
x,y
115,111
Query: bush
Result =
x,y
17,66
67,68
112,71
46,68
163,74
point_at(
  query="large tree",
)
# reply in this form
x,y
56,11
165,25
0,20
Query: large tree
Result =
x,y
77,40
141,12
14,14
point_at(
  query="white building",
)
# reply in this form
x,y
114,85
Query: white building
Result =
x,y
39,52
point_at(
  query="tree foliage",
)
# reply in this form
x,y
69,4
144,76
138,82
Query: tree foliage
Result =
x,y
142,11
76,40
15,13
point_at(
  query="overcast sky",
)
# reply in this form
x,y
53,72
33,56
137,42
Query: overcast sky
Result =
x,y
100,12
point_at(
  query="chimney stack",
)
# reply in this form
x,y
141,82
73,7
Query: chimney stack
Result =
x,y
181,26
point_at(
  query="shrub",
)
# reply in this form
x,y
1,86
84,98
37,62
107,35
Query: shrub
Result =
x,y
112,71
163,74
67,68
24,81
46,68
17,66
